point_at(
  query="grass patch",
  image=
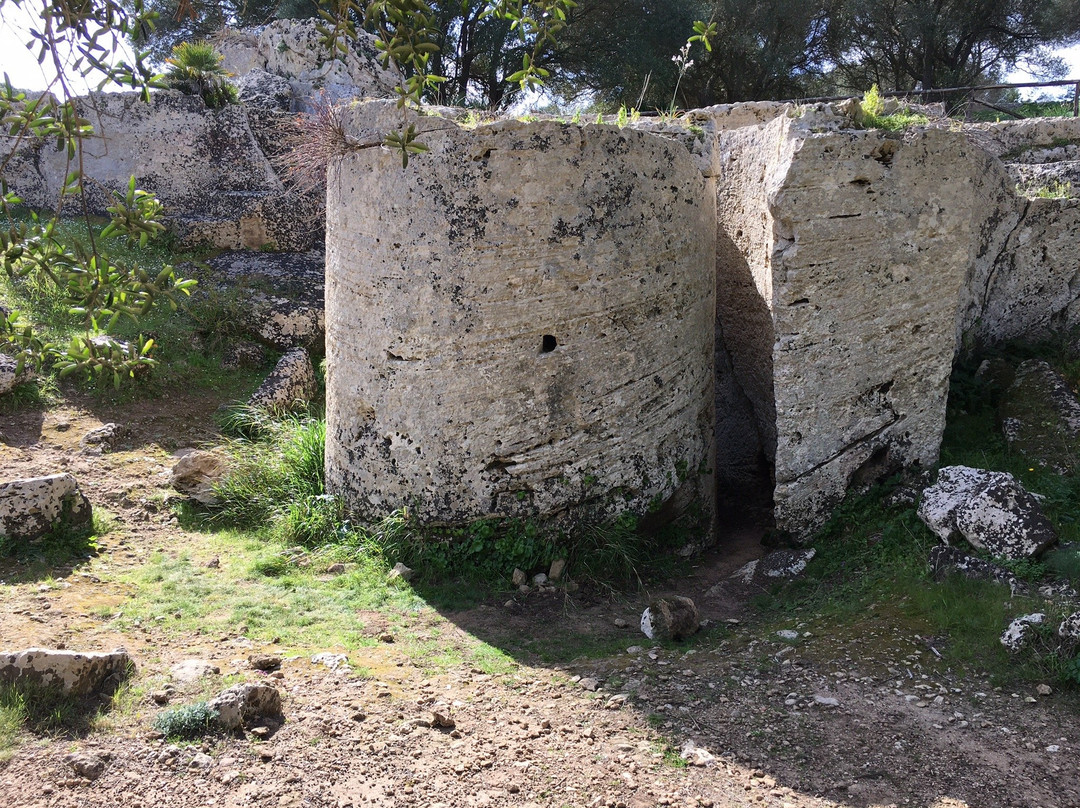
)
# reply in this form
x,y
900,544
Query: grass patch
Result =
x,y
43,710
277,486
12,717
492,661
278,595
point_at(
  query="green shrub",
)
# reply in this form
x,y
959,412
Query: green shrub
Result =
x,y
187,722
195,69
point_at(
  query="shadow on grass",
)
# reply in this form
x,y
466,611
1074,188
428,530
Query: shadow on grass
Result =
x,y
57,554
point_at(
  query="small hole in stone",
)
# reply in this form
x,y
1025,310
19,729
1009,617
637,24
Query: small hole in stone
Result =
x,y
549,344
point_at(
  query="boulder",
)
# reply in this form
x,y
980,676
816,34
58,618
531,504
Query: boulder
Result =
x,y
290,386
990,509
77,673
31,508
196,473
1040,417
86,764
103,438
245,703
1019,633
672,618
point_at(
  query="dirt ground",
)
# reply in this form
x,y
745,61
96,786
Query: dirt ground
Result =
x,y
879,719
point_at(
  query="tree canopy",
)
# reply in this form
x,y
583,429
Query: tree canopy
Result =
x,y
626,51
903,44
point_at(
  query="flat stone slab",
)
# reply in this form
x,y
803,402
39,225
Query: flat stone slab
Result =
x,y
78,673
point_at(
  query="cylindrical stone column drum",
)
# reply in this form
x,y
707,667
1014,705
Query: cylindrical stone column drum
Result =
x,y
519,323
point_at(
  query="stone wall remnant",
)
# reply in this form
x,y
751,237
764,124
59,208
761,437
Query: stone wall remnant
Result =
x,y
520,323
77,673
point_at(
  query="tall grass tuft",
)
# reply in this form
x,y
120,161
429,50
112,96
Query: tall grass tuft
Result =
x,y
277,477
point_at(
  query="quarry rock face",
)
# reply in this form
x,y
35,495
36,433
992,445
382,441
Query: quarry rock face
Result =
x,y
519,323
291,50
841,256
206,167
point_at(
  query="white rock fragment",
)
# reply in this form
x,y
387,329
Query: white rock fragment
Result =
x,y
30,508
74,672
1017,634
696,755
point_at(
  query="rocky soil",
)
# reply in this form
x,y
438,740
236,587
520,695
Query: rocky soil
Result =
x,y
748,713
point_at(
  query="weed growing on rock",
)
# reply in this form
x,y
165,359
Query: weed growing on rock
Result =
x,y
187,722
873,114
1055,190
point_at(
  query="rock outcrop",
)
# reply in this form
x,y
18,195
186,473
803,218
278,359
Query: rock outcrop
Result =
x,y
291,51
206,166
